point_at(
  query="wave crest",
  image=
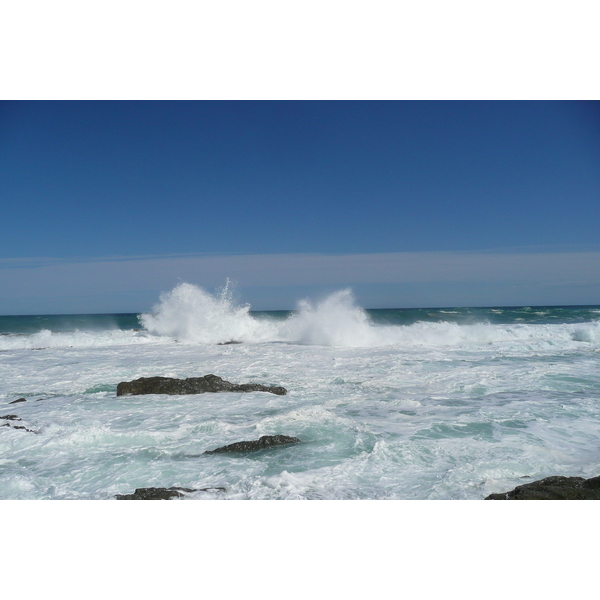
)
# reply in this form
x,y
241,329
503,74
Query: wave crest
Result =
x,y
190,314
335,321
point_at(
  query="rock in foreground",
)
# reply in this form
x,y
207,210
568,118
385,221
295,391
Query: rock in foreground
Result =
x,y
154,493
554,488
192,385
265,441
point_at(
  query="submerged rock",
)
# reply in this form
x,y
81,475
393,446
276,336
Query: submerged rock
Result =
x,y
154,493
554,488
265,441
192,385
18,400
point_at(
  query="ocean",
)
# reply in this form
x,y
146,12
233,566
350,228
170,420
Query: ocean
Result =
x,y
404,404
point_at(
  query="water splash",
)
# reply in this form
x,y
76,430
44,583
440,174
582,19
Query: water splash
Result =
x,y
334,321
190,314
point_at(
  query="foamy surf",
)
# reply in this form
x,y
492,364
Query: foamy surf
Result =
x,y
46,338
387,404
189,314
192,315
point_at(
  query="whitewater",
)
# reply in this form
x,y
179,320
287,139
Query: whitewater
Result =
x,y
453,403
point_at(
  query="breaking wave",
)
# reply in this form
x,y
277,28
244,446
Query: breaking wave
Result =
x,y
190,314
44,339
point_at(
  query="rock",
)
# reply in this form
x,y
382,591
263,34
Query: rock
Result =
x,y
15,418
16,426
18,400
229,342
554,488
154,493
265,441
25,428
192,385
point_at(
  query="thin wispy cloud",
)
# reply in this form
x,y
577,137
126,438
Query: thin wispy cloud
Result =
x,y
145,277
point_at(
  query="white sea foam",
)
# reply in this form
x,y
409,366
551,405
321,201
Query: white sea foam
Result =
x,y
428,410
190,314
334,321
587,332
75,339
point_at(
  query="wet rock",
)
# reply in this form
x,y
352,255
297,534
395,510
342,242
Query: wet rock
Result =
x,y
229,342
554,488
265,441
25,428
192,385
15,418
154,493
18,400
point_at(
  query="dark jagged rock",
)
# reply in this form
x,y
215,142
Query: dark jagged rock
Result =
x,y
192,385
154,493
25,428
228,343
554,488
18,400
15,418
265,441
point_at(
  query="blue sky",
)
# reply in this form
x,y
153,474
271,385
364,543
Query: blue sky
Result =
x,y
410,203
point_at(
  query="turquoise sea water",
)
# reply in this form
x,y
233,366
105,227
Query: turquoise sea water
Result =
x,y
449,403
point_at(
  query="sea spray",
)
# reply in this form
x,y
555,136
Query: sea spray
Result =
x,y
190,314
334,321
